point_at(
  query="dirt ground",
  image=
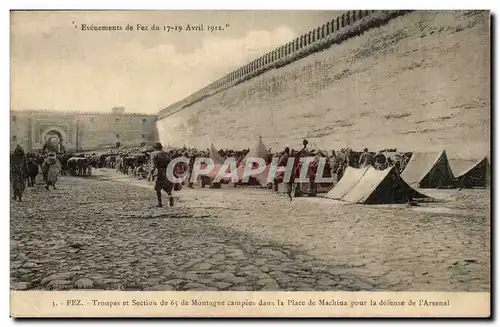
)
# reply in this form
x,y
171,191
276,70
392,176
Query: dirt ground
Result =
x,y
105,233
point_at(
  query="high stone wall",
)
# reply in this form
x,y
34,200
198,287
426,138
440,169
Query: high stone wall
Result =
x,y
420,82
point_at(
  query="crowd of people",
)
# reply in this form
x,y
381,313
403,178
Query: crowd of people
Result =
x,y
138,162
25,167
141,162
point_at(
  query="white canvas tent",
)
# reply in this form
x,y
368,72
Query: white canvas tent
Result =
x,y
371,186
428,170
470,172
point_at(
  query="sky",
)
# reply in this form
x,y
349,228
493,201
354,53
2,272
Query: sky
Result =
x,y
55,65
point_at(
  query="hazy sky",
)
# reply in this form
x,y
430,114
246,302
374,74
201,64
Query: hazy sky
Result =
x,y
57,66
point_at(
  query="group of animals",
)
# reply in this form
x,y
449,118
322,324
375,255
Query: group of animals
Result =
x,y
138,163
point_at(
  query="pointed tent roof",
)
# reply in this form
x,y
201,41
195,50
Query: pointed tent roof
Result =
x,y
461,167
259,150
218,163
428,170
371,186
215,156
471,172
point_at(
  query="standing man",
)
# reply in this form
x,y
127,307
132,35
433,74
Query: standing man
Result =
x,y
292,189
366,159
32,170
282,162
51,168
192,159
161,160
304,149
45,156
18,170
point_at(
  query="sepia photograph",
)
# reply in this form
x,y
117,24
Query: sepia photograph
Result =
x,y
250,163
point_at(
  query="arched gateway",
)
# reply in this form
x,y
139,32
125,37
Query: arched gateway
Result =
x,y
54,138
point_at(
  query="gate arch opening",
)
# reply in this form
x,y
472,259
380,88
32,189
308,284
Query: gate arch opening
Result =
x,y
53,139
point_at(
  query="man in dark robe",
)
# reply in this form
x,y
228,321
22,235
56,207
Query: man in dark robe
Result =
x,y
18,170
32,170
161,160
284,157
192,159
292,186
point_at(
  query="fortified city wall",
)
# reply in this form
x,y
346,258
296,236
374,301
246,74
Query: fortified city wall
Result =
x,y
412,80
81,131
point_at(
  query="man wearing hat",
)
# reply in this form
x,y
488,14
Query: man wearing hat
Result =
x,y
161,160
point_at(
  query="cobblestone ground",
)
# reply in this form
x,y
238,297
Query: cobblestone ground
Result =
x,y
104,233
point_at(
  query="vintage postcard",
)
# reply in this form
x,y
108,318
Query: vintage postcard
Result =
x,y
250,163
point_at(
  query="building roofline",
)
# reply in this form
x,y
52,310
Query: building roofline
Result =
x,y
97,113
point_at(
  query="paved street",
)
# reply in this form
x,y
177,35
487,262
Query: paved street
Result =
x,y
105,233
